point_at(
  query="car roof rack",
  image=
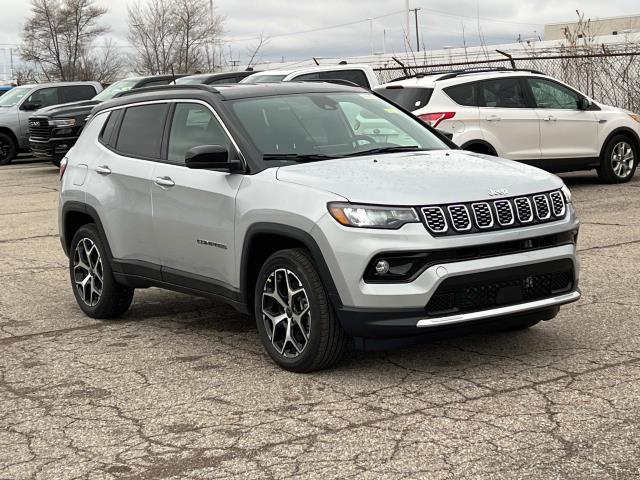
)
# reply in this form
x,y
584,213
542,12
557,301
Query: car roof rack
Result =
x,y
447,74
160,88
337,81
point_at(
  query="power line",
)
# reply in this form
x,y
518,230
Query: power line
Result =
x,y
488,19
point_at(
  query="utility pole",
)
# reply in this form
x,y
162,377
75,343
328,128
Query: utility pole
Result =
x,y
415,13
407,26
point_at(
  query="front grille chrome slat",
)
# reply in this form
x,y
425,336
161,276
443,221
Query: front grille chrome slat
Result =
x,y
490,215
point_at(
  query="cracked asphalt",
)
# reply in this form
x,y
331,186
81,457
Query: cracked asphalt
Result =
x,y
180,388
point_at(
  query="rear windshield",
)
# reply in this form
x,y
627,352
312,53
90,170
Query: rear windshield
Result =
x,y
408,98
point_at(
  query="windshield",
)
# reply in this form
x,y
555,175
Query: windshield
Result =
x,y
263,79
13,97
408,98
318,126
116,88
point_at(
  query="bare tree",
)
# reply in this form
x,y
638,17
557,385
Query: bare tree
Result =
x,y
255,50
105,65
173,35
59,34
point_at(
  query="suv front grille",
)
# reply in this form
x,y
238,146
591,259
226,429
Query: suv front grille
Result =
x,y
39,128
460,218
503,287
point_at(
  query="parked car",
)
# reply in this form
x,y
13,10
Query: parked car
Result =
x,y
361,75
264,197
214,78
525,116
18,104
54,130
5,88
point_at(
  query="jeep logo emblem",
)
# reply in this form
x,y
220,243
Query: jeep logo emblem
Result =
x,y
495,193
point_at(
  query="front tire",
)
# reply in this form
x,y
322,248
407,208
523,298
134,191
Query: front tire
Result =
x,y
8,149
96,290
295,320
619,160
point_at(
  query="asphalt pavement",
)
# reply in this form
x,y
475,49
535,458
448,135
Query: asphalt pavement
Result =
x,y
180,387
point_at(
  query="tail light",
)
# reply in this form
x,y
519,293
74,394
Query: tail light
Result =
x,y
63,166
434,119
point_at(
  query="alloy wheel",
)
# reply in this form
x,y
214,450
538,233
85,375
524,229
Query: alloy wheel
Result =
x,y
5,150
286,312
622,159
88,272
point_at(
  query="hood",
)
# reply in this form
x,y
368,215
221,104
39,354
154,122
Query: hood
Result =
x,y
420,178
67,109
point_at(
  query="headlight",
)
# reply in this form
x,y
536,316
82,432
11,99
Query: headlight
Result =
x,y
635,116
63,122
567,193
371,216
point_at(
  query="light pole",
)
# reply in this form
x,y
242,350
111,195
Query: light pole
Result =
x,y
415,13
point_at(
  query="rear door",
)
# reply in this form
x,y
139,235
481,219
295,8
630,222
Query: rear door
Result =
x,y
566,131
194,210
76,93
508,120
119,184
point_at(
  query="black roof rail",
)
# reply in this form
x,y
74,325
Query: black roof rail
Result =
x,y
160,88
447,74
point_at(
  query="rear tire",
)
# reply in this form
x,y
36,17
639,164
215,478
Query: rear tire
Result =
x,y
8,149
296,323
619,160
96,290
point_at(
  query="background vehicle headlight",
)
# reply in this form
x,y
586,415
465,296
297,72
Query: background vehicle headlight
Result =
x,y
371,216
567,193
62,122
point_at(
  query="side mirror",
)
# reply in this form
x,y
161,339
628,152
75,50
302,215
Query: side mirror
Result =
x,y
584,103
28,107
211,157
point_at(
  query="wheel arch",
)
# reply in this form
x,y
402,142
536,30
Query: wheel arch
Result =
x,y
262,240
10,133
74,216
627,132
483,143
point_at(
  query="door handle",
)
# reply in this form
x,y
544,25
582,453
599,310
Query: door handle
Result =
x,y
550,118
493,118
103,170
164,182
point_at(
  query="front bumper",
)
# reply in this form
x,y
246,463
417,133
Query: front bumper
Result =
x,y
54,148
390,309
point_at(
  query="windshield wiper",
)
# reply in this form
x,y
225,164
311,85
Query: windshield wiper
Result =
x,y
398,148
297,157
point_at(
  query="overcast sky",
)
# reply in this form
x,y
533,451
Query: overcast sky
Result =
x,y
441,23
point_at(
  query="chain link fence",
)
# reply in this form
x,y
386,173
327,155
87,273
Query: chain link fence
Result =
x,y
609,77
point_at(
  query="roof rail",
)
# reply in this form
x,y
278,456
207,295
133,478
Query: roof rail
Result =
x,y
447,74
160,88
337,81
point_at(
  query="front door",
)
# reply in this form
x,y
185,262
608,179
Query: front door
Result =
x,y
566,131
194,210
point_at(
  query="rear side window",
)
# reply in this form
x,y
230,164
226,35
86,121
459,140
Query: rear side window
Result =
x,y
503,93
141,131
464,94
155,83
410,98
106,136
354,76
77,93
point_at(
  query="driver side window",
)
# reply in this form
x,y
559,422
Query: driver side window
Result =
x,y
552,95
45,97
193,125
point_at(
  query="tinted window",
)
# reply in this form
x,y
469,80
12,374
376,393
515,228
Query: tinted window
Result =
x,y
141,130
156,83
106,136
193,125
553,95
354,76
226,80
463,94
503,93
77,93
408,98
44,97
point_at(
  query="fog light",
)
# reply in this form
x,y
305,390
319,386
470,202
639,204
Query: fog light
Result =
x,y
382,267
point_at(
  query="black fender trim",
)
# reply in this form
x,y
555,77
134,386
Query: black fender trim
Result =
x,y
79,207
295,234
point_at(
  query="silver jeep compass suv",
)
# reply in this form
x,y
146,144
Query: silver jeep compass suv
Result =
x,y
264,196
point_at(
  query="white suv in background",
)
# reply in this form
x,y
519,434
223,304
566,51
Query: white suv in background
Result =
x,y
525,116
360,75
